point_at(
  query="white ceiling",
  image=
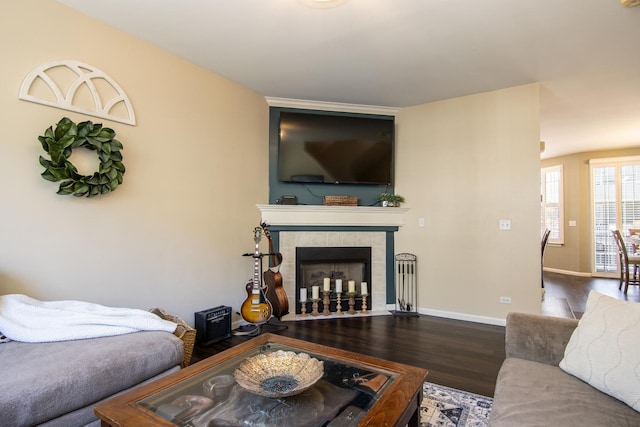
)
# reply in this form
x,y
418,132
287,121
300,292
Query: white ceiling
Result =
x,y
398,53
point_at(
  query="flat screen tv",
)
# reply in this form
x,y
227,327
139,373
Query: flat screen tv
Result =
x,y
320,147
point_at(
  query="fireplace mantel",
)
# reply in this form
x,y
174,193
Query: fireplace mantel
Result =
x,y
315,215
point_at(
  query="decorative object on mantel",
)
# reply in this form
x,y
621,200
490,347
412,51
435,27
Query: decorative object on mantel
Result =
x,y
390,199
340,201
43,86
59,144
630,3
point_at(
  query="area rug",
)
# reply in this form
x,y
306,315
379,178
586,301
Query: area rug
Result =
x,y
448,407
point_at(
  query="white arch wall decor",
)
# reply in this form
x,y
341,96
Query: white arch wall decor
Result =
x,y
66,84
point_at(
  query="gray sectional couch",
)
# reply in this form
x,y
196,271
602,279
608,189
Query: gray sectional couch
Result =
x,y
59,383
532,390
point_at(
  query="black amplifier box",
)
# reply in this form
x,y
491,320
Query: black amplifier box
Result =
x,y
213,325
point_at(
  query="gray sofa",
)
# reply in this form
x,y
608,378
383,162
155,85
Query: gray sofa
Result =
x,y
532,390
59,383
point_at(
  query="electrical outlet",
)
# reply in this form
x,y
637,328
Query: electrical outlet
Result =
x,y
505,300
420,222
505,224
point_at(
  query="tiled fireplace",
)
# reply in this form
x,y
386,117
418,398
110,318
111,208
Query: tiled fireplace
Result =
x,y
336,227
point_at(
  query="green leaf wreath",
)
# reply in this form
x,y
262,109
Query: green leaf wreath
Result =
x,y
60,142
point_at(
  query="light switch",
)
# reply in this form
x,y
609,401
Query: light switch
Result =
x,y
572,223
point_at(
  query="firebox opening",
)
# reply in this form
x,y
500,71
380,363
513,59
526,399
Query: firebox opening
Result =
x,y
314,264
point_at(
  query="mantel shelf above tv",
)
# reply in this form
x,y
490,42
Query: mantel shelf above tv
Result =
x,y
316,215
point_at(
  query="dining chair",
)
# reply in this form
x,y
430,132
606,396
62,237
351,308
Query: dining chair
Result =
x,y
635,249
543,245
626,260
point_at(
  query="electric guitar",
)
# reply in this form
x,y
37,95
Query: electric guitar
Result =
x,y
256,308
273,280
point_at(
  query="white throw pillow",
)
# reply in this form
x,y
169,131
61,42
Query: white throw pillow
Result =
x,y
604,350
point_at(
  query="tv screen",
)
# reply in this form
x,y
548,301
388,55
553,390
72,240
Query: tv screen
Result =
x,y
336,149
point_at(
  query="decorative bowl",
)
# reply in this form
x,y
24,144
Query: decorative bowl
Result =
x,y
279,374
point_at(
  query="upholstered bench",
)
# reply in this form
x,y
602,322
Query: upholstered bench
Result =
x,y
58,383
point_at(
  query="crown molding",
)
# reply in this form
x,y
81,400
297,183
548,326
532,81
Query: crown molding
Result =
x,y
331,106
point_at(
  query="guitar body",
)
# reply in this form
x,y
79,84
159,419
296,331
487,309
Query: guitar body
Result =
x,y
256,308
273,281
276,293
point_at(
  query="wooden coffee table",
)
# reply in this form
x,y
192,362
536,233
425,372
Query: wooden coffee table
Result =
x,y
355,390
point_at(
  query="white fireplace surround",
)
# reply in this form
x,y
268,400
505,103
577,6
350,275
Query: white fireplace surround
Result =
x,y
337,216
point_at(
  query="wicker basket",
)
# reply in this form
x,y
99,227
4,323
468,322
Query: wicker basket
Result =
x,y
185,332
340,201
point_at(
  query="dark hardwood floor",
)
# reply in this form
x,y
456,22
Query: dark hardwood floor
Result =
x,y
458,354
566,296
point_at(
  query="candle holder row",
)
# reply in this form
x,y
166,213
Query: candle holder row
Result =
x,y
326,301
316,289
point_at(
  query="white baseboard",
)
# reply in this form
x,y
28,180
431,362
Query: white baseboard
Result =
x,y
463,316
457,316
567,272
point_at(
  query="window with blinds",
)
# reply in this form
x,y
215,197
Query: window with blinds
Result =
x,y
551,203
615,188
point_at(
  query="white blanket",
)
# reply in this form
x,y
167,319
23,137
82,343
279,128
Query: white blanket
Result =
x,y
28,320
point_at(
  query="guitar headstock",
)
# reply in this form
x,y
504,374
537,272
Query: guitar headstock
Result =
x,y
265,228
257,234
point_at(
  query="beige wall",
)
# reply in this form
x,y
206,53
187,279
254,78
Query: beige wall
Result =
x,y
464,164
574,256
173,234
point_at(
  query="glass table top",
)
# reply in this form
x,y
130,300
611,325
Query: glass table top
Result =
x,y
212,398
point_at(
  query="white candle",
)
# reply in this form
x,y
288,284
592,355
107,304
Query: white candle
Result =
x,y
363,288
338,286
303,294
327,284
315,292
352,286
